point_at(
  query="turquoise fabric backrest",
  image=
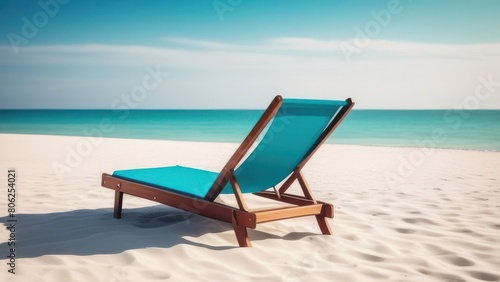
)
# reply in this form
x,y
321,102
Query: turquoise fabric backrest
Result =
x,y
289,137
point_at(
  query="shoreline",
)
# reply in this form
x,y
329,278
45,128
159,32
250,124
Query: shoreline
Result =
x,y
439,222
226,142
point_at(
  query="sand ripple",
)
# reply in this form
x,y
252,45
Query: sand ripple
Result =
x,y
439,224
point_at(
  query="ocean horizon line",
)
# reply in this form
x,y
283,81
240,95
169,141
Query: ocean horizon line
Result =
x,y
226,109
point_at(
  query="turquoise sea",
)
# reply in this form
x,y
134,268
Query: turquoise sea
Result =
x,y
477,130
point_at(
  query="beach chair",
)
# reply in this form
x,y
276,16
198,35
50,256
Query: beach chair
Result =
x,y
283,140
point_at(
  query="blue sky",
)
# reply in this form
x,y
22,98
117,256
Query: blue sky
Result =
x,y
240,53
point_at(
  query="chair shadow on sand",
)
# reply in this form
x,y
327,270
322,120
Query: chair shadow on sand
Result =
x,y
95,231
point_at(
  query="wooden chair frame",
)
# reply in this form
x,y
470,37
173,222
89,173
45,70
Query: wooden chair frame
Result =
x,y
240,217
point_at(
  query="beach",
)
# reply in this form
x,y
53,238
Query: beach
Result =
x,y
401,214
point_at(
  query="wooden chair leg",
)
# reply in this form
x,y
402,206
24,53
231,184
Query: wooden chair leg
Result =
x,y
323,225
241,233
118,204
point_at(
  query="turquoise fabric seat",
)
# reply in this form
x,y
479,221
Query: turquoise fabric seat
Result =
x,y
185,180
289,138
285,142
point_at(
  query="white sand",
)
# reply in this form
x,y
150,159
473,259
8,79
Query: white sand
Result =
x,y
439,222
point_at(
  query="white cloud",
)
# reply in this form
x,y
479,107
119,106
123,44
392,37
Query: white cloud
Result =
x,y
372,47
385,74
216,54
